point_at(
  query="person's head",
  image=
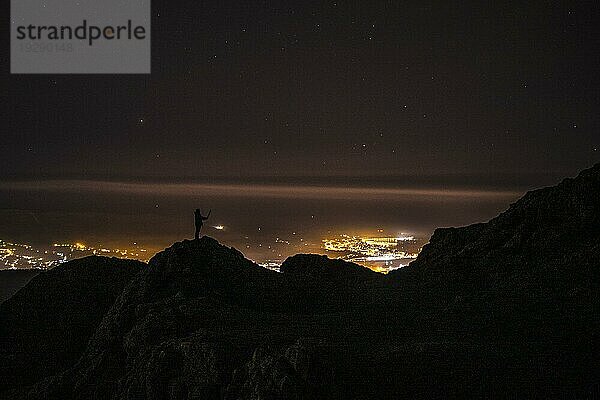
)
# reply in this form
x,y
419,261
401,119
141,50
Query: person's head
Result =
x,y
197,211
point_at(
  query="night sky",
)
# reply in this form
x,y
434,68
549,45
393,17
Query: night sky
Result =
x,y
305,88
434,115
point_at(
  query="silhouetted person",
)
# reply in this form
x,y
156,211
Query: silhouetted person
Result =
x,y
198,218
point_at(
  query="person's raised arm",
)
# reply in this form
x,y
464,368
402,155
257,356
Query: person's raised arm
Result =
x,y
207,215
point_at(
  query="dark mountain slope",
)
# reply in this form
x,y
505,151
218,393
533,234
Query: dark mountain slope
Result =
x,y
557,225
529,279
45,326
321,268
203,321
13,280
540,258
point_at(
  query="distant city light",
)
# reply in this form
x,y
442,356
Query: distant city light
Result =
x,y
377,253
24,256
380,253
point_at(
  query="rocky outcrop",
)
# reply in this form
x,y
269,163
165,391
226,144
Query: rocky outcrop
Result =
x,y
322,268
45,326
300,371
523,267
186,324
547,228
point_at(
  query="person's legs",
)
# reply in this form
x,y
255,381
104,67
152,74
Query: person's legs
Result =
x,y
197,235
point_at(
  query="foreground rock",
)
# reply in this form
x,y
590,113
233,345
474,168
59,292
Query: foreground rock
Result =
x,y
45,326
204,322
13,280
321,268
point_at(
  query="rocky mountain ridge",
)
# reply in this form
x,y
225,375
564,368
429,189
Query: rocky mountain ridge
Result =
x,y
506,308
